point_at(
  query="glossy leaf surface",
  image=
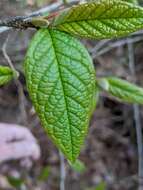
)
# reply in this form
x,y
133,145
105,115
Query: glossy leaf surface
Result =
x,y
61,82
101,19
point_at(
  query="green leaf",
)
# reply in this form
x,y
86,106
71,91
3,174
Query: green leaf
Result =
x,y
100,186
15,182
125,91
6,75
101,19
61,82
44,173
78,166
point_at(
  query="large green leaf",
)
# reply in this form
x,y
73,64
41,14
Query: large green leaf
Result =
x,y
6,74
61,82
101,19
125,91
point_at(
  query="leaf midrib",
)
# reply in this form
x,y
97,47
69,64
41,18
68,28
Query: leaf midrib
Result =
x,y
66,105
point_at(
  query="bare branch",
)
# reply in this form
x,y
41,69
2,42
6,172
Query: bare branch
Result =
x,y
62,172
6,55
21,95
137,119
99,49
53,7
20,22
24,22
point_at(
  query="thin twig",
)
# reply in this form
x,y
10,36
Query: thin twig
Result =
x,y
3,29
53,7
17,82
21,22
24,22
6,55
137,119
62,172
108,45
99,45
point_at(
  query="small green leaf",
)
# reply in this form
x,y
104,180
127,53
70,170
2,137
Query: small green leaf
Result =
x,y
44,174
15,181
100,186
101,19
6,75
61,82
78,166
125,91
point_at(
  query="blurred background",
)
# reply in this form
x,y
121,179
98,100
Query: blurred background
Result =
x,y
109,158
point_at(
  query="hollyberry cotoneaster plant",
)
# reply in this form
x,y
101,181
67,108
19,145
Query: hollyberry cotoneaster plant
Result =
x,y
59,72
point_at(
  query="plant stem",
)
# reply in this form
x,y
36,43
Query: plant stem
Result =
x,y
137,120
21,95
62,172
24,22
6,55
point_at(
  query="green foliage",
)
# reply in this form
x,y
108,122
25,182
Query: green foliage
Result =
x,y
15,182
6,75
61,82
100,19
100,186
125,91
78,166
44,174
60,75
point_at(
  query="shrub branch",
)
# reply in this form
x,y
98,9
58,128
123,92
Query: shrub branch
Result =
x,y
24,22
